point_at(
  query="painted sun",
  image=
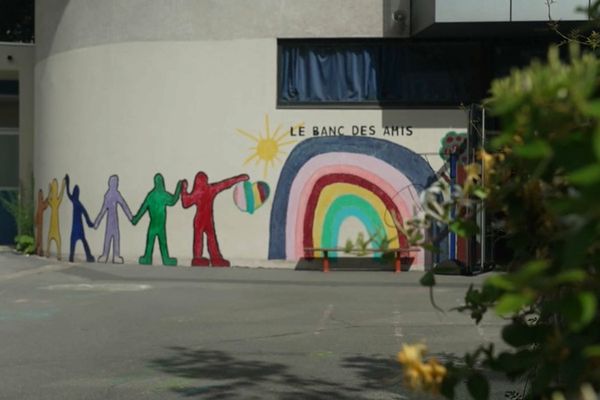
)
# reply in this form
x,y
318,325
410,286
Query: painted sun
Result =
x,y
269,143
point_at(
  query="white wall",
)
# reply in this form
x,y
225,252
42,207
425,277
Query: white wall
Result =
x,y
63,25
134,109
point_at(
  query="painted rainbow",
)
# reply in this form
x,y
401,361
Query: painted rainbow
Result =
x,y
327,180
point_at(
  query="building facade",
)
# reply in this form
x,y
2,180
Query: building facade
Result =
x,y
16,127
215,130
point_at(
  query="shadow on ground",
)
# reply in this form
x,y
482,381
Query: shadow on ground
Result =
x,y
211,374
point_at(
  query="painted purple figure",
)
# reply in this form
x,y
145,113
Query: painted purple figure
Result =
x,y
112,199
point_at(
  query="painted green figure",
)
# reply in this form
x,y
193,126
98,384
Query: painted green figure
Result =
x,y
156,203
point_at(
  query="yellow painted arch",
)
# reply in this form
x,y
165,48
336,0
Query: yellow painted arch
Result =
x,y
330,193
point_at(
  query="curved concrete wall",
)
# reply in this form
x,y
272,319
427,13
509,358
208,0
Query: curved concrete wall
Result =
x,y
63,25
134,89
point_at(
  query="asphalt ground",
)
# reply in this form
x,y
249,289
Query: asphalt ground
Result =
x,y
98,331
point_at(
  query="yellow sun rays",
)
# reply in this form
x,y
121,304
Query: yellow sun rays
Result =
x,y
268,148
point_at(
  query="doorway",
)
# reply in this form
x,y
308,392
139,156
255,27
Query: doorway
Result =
x,y
9,151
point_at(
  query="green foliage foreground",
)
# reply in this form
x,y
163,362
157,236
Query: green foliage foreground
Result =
x,y
543,187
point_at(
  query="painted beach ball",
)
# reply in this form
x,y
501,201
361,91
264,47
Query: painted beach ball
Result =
x,y
249,196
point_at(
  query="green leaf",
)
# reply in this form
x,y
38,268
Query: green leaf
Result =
x,y
574,276
349,246
463,228
501,282
516,364
473,295
531,270
513,302
428,279
593,108
534,150
586,176
519,334
589,303
30,249
502,140
516,335
592,351
597,143
478,387
480,193
430,247
448,386
579,309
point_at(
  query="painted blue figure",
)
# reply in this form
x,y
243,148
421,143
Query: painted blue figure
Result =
x,y
77,232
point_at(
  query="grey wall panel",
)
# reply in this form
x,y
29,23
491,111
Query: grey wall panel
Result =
x,y
9,161
422,14
396,18
472,10
537,10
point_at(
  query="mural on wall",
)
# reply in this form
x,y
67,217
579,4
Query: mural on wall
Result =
x,y
155,204
337,197
329,186
77,230
454,145
42,205
327,180
453,150
112,200
54,200
249,197
203,196
268,148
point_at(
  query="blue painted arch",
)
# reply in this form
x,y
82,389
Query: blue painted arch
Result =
x,y
412,165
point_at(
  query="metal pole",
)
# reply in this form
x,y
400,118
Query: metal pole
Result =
x,y
483,219
453,167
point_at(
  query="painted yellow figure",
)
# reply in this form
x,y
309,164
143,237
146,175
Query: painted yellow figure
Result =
x,y
54,200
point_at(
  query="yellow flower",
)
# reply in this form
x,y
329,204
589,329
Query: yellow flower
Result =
x,y
435,373
473,176
411,353
488,159
418,375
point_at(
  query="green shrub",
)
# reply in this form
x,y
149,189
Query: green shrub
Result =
x,y
25,244
543,185
20,206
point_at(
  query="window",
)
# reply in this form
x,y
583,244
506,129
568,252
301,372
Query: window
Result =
x,y
378,72
389,73
9,134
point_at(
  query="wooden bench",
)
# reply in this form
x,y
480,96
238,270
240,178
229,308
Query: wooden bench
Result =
x,y
398,252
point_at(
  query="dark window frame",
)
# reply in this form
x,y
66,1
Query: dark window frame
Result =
x,y
485,70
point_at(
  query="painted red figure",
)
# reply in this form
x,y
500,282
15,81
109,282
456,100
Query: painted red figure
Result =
x,y
203,196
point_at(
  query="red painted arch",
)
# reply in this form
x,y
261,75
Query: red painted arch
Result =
x,y
331,179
